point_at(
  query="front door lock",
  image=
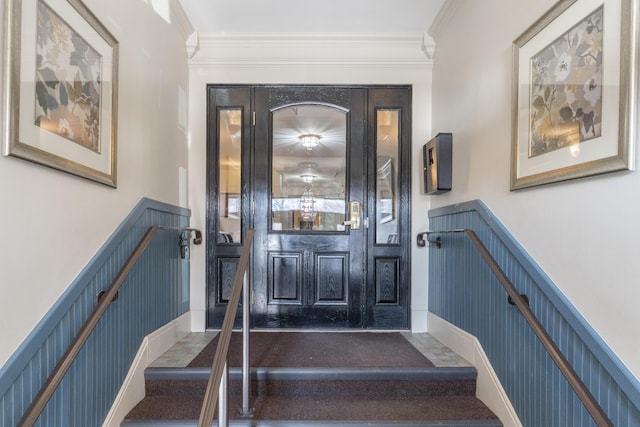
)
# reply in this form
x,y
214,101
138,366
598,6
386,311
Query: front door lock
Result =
x,y
354,215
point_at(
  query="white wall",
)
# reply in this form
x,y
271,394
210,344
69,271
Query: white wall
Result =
x,y
53,223
584,234
307,59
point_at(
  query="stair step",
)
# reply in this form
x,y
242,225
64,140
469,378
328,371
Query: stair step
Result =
x,y
321,397
319,388
310,382
273,410
451,373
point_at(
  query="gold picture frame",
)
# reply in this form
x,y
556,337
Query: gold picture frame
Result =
x,y
61,81
574,93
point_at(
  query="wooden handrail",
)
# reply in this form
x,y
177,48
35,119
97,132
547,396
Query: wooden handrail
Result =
x,y
224,337
49,387
590,403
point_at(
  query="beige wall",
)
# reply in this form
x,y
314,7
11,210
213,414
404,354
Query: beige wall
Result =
x,y
584,234
53,223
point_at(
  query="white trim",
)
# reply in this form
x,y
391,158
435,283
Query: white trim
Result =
x,y
443,17
306,39
192,44
153,345
198,320
267,66
419,321
181,19
489,390
304,49
428,45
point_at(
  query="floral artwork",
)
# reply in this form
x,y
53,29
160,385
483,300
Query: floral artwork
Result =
x,y
68,81
566,88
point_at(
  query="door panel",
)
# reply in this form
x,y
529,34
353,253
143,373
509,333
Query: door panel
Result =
x,y
332,278
285,278
387,281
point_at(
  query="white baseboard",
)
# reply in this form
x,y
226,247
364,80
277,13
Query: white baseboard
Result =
x,y
418,321
198,320
153,345
489,389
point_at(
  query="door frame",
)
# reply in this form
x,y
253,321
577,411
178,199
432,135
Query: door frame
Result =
x,y
387,261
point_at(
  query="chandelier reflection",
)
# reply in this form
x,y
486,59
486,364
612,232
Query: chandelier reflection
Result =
x,y
307,205
307,178
309,141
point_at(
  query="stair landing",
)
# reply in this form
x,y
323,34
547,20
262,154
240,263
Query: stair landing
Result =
x,y
181,354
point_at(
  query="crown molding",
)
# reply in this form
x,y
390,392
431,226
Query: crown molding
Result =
x,y
180,19
428,45
304,49
192,44
443,17
318,37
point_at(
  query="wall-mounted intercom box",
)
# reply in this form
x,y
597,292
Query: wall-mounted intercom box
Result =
x,y
436,161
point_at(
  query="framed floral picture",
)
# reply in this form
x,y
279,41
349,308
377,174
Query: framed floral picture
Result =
x,y
61,92
574,93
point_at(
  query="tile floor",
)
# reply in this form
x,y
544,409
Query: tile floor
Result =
x,y
187,348
434,350
183,352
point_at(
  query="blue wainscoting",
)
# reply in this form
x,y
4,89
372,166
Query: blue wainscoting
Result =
x,y
155,293
463,291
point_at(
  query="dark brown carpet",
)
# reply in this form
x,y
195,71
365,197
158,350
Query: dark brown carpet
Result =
x,y
183,401
320,350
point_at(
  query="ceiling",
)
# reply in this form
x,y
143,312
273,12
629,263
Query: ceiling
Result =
x,y
307,16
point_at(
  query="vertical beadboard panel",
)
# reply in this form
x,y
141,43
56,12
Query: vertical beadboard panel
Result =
x,y
463,291
153,294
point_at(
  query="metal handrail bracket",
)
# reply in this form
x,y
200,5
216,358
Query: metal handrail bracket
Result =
x,y
218,367
590,403
49,387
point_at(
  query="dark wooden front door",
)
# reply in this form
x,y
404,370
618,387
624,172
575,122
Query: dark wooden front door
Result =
x,y
309,269
322,174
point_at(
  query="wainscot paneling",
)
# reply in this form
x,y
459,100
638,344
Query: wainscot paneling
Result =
x,y
463,291
155,293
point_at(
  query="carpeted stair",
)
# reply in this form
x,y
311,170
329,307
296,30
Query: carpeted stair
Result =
x,y
351,379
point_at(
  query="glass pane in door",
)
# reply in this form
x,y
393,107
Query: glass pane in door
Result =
x,y
387,143
308,168
229,175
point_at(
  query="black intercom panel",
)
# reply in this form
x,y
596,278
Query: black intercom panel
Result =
x,y
436,161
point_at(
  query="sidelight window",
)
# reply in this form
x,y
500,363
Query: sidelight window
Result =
x,y
387,150
229,175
